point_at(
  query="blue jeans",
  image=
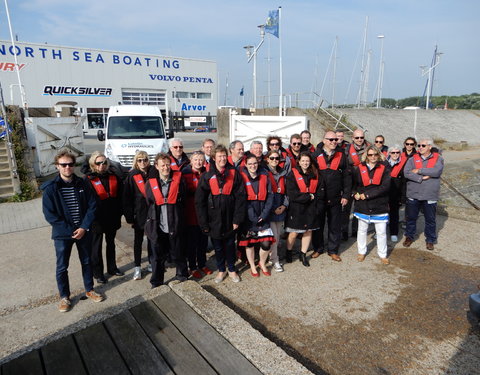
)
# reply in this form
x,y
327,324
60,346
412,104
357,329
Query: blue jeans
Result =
x,y
225,252
63,249
412,210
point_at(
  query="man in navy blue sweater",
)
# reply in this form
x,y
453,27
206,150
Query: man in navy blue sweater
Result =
x,y
70,208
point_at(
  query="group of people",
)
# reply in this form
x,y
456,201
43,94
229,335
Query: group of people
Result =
x,y
244,202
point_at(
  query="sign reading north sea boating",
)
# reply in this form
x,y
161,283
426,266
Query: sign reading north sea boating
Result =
x,y
97,79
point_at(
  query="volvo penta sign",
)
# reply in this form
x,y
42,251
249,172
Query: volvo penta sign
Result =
x,y
98,79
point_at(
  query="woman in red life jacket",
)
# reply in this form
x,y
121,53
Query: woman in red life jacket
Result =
x,y
396,159
196,240
256,229
409,146
135,208
274,143
306,194
108,190
371,184
277,176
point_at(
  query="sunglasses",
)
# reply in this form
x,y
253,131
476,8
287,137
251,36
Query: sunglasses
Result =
x,y
274,158
296,143
142,160
101,162
409,144
379,142
372,154
394,152
359,137
332,139
274,144
423,145
65,165
175,147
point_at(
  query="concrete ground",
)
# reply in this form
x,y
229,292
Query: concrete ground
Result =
x,y
410,317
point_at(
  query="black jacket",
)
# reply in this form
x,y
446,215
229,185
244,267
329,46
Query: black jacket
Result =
x,y
217,213
376,201
109,211
257,209
338,183
303,213
175,212
56,211
134,203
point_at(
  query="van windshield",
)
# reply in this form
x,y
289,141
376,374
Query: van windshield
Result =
x,y
135,127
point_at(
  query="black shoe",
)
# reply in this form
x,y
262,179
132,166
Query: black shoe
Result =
x,y
303,258
116,272
288,256
155,286
101,280
181,278
354,234
345,236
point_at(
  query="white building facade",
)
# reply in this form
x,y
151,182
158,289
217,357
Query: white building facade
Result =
x,y
93,80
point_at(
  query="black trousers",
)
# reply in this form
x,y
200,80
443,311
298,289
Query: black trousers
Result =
x,y
137,247
168,244
394,216
333,216
346,218
96,256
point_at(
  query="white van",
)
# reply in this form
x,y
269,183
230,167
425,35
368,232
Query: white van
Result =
x,y
132,128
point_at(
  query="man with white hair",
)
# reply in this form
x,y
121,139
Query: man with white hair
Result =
x,y
178,158
423,172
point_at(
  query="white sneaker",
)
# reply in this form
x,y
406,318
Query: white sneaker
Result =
x,y
277,267
394,238
137,273
149,268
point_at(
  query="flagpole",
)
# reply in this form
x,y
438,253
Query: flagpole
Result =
x,y
280,110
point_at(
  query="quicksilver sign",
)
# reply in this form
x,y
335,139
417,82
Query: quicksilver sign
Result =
x,y
76,91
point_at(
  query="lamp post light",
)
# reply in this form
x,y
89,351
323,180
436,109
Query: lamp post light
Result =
x,y
429,71
252,54
380,73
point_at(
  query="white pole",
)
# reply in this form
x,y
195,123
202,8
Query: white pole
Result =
x,y
255,79
22,90
361,93
280,109
268,74
334,72
380,73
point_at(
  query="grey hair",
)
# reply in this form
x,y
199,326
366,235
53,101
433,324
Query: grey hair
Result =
x,y
429,141
234,143
394,147
256,143
171,140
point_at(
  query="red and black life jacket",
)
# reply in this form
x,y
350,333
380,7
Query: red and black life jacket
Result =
x,y
173,164
292,157
261,195
277,188
322,162
227,186
354,155
138,178
398,167
302,186
172,191
377,175
100,189
419,161
230,160
192,179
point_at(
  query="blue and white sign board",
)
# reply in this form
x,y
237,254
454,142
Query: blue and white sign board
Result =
x,y
96,78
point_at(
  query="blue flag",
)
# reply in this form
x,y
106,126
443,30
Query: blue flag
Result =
x,y
272,23
241,92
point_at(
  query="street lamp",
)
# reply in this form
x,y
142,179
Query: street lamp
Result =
x,y
252,54
429,71
380,73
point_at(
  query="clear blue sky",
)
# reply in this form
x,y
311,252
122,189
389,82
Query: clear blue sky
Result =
x,y
218,29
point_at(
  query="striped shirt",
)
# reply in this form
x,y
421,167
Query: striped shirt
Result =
x,y
68,194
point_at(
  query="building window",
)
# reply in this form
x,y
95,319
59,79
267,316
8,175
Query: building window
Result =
x,y
180,94
204,95
143,98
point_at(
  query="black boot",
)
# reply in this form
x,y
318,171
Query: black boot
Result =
x,y
288,256
304,259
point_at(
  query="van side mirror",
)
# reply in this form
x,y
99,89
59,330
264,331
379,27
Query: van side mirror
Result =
x,y
170,134
100,135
